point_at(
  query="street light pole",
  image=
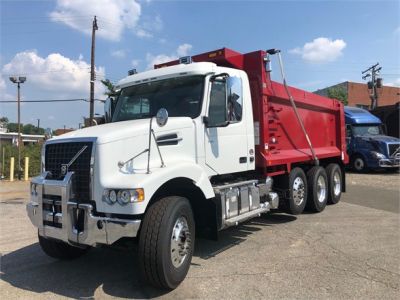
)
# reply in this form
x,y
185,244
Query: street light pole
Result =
x,y
18,81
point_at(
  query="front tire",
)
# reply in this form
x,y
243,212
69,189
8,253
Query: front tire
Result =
x,y
60,250
166,242
317,189
358,164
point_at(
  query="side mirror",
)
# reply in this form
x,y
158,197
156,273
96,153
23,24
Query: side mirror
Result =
x,y
108,109
234,100
162,117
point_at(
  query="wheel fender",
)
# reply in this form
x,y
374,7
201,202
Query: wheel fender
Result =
x,y
152,182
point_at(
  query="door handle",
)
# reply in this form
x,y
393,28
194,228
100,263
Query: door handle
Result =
x,y
243,160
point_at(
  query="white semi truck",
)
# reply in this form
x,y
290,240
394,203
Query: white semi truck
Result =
x,y
187,149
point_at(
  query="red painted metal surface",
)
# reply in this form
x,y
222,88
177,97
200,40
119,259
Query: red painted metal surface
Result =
x,y
282,142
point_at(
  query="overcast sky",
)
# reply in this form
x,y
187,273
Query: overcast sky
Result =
x,y
323,43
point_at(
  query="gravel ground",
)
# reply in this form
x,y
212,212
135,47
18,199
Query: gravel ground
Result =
x,y
350,250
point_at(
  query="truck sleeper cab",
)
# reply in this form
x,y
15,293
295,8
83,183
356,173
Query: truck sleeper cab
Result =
x,y
188,149
367,144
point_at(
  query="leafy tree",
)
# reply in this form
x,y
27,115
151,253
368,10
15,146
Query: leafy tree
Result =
x,y
338,93
110,87
13,127
4,120
31,129
32,151
26,129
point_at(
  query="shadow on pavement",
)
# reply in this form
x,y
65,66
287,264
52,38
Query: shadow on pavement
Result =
x,y
230,237
115,270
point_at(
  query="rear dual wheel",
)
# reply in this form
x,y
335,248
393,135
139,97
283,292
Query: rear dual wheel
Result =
x,y
295,201
314,190
334,173
318,188
325,186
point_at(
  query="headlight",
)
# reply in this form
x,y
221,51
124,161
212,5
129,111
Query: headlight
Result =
x,y
112,196
123,196
378,155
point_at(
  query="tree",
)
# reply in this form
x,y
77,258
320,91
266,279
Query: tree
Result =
x,y
338,93
31,129
4,120
110,87
13,127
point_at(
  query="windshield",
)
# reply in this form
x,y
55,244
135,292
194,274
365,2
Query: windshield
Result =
x,y
181,97
367,130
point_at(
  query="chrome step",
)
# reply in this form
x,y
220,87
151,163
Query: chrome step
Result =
x,y
264,207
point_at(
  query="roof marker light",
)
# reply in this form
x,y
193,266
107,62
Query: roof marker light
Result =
x,y
132,72
185,60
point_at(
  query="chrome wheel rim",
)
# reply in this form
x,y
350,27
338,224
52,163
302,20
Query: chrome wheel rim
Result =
x,y
359,164
336,184
180,242
298,191
321,189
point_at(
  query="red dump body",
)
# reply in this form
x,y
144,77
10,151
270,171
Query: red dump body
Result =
x,y
281,142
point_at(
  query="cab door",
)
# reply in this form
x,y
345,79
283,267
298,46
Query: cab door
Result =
x,y
226,142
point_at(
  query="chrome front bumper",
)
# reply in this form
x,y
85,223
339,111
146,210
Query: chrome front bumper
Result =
x,y
389,163
76,223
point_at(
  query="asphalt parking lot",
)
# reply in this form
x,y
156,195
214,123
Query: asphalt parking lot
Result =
x,y
350,250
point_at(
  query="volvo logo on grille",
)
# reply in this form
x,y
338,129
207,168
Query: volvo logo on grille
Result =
x,y
64,167
396,153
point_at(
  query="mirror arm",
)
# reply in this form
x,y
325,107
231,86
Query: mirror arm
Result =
x,y
224,75
224,124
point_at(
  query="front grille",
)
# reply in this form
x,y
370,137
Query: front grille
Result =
x,y
393,148
52,211
62,153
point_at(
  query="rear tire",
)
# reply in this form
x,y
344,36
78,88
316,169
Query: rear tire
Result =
x,y
297,184
317,189
334,174
60,250
166,242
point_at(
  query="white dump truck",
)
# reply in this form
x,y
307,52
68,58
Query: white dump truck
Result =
x,y
187,149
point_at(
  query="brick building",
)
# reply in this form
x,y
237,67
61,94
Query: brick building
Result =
x,y
358,94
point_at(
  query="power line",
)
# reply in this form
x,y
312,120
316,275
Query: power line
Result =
x,y
46,72
51,100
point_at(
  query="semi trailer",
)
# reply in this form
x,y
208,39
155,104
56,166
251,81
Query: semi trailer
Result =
x,y
189,148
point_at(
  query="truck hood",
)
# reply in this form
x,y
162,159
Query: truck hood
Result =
x,y
380,138
112,132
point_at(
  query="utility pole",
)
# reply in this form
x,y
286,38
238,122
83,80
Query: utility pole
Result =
x,y
374,84
92,70
18,81
38,124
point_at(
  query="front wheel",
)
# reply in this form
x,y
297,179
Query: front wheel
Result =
x,y
358,164
166,242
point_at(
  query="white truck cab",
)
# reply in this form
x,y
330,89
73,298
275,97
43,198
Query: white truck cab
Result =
x,y
161,169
